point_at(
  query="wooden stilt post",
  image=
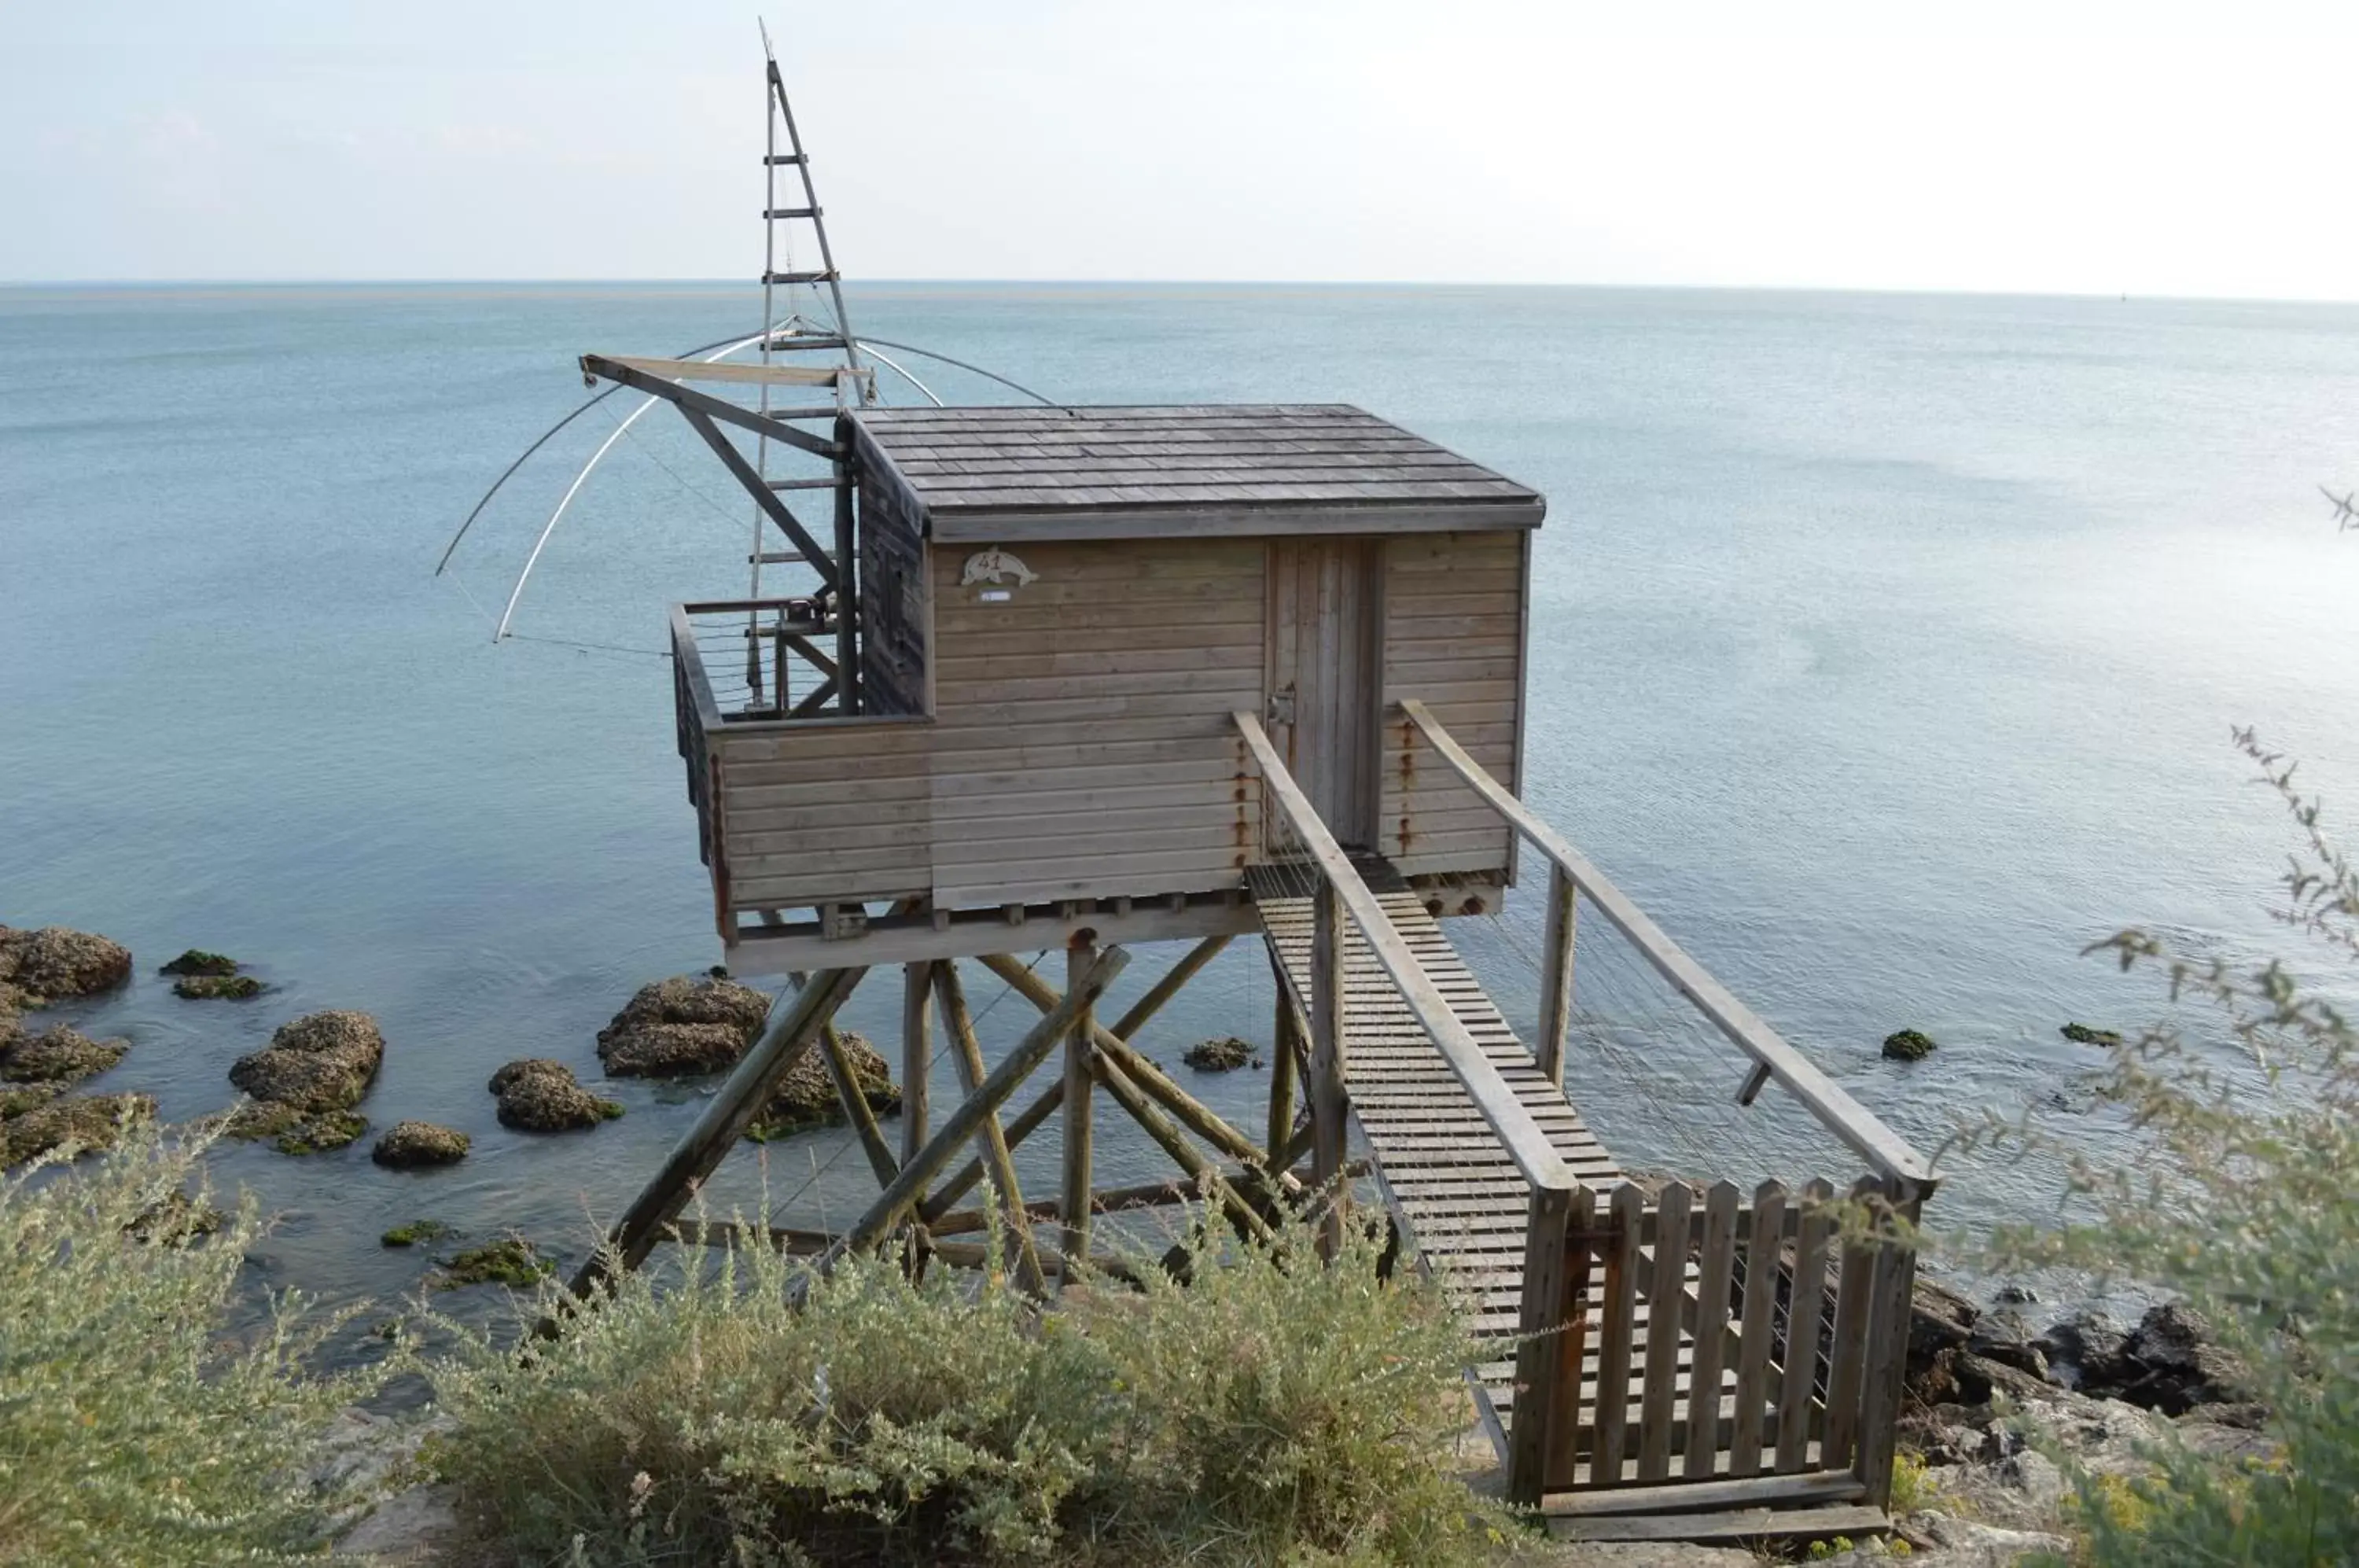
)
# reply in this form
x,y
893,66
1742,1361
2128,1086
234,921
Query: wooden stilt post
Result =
x,y
917,1055
991,1144
1192,1114
856,1109
1327,1094
1078,1084
962,1181
794,1023
961,1124
1288,1044
1556,979
1173,1142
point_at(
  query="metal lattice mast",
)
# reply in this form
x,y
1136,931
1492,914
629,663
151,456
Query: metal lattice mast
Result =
x,y
786,329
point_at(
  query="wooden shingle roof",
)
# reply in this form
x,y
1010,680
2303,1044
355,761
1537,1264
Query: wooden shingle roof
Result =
x,y
1056,473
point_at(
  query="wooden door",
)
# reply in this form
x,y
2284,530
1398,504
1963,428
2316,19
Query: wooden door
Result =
x,y
1325,683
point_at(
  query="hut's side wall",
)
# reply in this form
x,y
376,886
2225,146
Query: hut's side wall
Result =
x,y
1083,741
1455,639
893,591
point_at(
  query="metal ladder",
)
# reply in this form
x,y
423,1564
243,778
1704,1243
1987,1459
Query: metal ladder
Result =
x,y
854,387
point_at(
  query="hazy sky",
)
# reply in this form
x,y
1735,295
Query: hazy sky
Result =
x,y
2136,147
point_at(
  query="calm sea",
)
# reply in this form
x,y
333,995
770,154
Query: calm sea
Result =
x,y
1885,648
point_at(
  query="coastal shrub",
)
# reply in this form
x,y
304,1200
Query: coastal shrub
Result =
x,y
2248,1218
133,1429
1270,1409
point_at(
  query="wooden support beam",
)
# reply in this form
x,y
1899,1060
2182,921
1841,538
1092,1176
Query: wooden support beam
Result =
x,y
963,1180
898,1200
1556,978
917,1055
1179,973
1173,1142
1193,1114
1285,1046
991,1143
763,496
856,1109
792,1025
1078,1084
1329,1101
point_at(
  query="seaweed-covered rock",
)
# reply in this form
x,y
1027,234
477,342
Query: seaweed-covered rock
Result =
x,y
322,1061
509,1072
174,1220
511,1262
416,1231
93,1122
1224,1055
2082,1034
218,987
806,1097
294,1131
408,1144
536,1094
59,1055
16,1100
1908,1045
681,1026
196,961
54,963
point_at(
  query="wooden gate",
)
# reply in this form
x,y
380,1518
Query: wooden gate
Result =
x,y
1757,1343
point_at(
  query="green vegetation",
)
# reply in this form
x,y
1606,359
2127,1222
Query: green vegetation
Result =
x,y
1908,1045
2082,1034
415,1232
1270,1409
511,1262
132,1430
2246,1215
217,988
196,961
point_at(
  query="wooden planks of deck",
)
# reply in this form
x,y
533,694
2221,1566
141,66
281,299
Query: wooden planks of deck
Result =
x,y
1455,1192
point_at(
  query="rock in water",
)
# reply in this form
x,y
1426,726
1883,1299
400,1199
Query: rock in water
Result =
x,y
807,1099
196,961
1224,1055
59,1056
1908,1045
513,1263
217,988
686,1025
95,1122
416,1231
2082,1034
406,1146
536,1094
323,1061
52,965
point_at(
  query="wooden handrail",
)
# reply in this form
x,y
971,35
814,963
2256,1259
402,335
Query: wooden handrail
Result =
x,y
1849,1120
1517,1132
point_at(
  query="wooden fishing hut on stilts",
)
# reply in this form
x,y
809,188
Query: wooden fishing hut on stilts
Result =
x,y
1091,678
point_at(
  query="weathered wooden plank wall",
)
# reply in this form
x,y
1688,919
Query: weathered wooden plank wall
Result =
x,y
893,608
1083,741
1455,639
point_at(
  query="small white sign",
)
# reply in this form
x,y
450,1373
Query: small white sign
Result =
x,y
997,595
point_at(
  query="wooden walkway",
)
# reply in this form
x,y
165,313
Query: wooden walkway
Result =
x,y
1454,1189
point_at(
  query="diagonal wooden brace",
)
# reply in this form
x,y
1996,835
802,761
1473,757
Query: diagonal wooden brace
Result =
x,y
793,1028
